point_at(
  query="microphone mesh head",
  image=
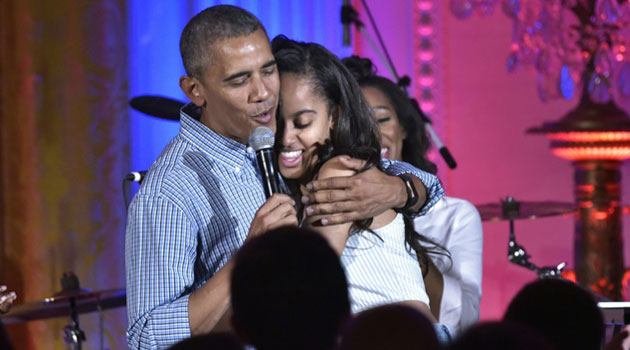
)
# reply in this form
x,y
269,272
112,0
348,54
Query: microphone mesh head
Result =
x,y
261,137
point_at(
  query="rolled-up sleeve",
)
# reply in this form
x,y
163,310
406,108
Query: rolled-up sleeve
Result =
x,y
435,192
160,252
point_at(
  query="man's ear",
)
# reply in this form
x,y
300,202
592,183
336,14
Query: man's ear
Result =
x,y
193,89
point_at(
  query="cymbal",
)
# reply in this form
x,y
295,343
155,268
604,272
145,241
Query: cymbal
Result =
x,y
59,305
523,210
157,106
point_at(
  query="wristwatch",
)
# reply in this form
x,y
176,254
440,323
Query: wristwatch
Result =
x,y
412,195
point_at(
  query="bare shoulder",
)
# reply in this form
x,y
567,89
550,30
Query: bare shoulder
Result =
x,y
334,168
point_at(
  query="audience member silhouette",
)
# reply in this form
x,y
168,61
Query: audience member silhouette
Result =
x,y
562,311
212,341
289,291
391,326
500,336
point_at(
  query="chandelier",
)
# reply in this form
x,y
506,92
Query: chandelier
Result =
x,y
563,40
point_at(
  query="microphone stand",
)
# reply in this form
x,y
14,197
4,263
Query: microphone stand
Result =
x,y
350,16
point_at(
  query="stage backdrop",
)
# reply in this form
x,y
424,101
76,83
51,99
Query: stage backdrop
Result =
x,y
67,137
482,112
64,148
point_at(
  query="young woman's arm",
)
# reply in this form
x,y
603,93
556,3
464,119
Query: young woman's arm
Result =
x,y
337,234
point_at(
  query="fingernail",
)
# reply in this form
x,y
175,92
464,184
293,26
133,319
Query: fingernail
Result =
x,y
305,200
309,211
324,221
309,186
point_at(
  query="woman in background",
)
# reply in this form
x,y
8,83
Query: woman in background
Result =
x,y
453,285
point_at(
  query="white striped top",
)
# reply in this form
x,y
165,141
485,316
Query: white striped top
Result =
x,y
381,269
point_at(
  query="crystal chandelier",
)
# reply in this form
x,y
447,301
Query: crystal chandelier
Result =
x,y
569,42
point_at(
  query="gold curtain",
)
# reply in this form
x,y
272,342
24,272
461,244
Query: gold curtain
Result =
x,y
64,149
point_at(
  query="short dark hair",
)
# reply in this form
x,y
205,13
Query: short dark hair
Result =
x,y
289,291
391,326
500,335
209,26
416,145
564,312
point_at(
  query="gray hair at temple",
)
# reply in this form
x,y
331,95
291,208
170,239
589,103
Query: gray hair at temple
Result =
x,y
209,26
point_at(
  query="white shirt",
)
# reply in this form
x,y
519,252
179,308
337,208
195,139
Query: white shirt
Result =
x,y
456,225
380,269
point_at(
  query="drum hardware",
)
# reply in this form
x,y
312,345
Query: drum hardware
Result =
x,y
511,210
157,106
72,301
524,210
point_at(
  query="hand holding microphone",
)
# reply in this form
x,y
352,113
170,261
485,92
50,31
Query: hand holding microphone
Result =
x,y
279,209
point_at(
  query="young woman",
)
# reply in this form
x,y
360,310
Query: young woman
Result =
x,y
453,285
324,117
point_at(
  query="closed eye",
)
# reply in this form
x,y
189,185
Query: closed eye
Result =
x,y
383,120
301,126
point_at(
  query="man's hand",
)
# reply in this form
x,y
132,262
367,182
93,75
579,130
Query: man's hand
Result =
x,y
345,199
278,210
6,299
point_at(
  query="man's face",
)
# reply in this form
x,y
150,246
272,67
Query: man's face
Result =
x,y
239,88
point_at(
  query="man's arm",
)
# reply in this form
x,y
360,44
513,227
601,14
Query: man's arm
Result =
x,y
369,193
160,251
209,306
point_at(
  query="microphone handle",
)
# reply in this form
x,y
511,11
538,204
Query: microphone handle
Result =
x,y
269,170
346,14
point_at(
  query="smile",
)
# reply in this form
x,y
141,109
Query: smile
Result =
x,y
290,159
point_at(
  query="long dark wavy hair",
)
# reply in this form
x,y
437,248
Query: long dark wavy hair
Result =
x,y
416,144
355,134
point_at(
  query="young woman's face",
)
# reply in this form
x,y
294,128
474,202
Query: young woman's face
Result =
x,y
392,133
307,124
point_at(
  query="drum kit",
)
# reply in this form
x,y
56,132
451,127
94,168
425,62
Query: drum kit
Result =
x,y
72,300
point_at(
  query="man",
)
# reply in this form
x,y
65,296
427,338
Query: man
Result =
x,y
202,198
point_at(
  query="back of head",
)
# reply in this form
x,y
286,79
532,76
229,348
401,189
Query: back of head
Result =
x,y
289,291
209,26
500,336
214,341
389,327
416,144
355,132
564,312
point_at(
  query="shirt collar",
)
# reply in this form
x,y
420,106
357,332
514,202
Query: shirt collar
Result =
x,y
229,151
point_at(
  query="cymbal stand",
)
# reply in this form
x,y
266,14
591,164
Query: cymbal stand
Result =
x,y
517,253
73,335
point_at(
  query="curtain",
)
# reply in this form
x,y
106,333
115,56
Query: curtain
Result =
x,y
64,147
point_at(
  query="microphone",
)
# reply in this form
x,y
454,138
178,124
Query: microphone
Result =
x,y
262,140
136,176
346,15
444,151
